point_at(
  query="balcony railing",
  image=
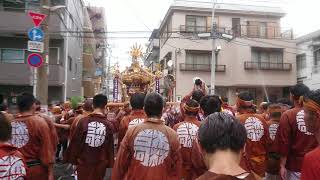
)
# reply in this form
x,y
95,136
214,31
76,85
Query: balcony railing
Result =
x,y
267,66
264,32
249,31
201,67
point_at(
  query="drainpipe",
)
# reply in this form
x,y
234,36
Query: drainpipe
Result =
x,y
66,50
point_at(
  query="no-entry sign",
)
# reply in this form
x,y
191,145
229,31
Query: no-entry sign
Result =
x,y
37,18
35,60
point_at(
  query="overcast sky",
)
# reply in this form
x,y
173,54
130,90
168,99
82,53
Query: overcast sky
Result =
x,y
146,15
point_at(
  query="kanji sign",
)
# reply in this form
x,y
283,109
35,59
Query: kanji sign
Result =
x,y
35,60
35,34
35,46
37,18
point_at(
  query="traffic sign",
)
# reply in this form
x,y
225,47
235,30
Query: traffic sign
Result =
x,y
35,34
35,60
35,46
37,18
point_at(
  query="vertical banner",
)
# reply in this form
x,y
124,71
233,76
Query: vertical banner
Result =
x,y
115,89
157,85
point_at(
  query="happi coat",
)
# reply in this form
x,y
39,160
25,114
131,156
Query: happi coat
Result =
x,y
150,150
293,140
187,133
32,136
91,147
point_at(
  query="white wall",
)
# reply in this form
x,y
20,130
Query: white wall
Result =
x,y
312,79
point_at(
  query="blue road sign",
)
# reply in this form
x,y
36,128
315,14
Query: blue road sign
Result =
x,y
35,60
35,34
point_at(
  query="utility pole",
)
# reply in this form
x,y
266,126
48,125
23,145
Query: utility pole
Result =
x,y
213,58
42,71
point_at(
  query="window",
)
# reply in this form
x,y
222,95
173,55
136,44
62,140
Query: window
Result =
x,y
193,57
317,55
54,56
262,55
257,29
196,23
12,55
301,62
76,68
70,63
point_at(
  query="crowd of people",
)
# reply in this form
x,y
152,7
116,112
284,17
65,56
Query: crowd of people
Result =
x,y
203,138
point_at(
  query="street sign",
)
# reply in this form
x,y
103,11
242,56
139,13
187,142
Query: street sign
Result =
x,y
35,60
35,46
35,34
37,18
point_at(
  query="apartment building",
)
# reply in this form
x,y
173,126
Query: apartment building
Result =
x,y
151,58
308,59
99,27
65,49
259,58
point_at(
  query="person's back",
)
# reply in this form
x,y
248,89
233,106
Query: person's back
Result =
x,y
273,158
11,160
257,135
91,146
311,163
135,117
187,133
293,140
149,150
32,136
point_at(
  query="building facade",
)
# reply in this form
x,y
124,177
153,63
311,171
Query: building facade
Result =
x,y
308,59
253,53
151,58
65,49
98,21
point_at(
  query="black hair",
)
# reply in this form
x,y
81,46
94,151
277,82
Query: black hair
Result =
x,y
87,105
299,90
38,103
285,101
276,115
153,105
100,101
210,104
137,101
314,96
25,102
191,103
245,95
265,106
1,99
3,107
198,82
221,131
224,99
197,95
5,128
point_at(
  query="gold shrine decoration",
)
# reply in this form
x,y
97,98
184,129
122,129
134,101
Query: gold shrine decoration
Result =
x,y
136,78
136,52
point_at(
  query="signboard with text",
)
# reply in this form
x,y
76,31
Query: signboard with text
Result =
x,y
35,46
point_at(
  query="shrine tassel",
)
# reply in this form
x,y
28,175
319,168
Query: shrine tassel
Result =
x,y
115,89
157,86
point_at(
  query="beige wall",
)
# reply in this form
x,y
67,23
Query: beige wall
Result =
x,y
233,54
224,20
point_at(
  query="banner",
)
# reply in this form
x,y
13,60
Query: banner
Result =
x,y
115,90
158,85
